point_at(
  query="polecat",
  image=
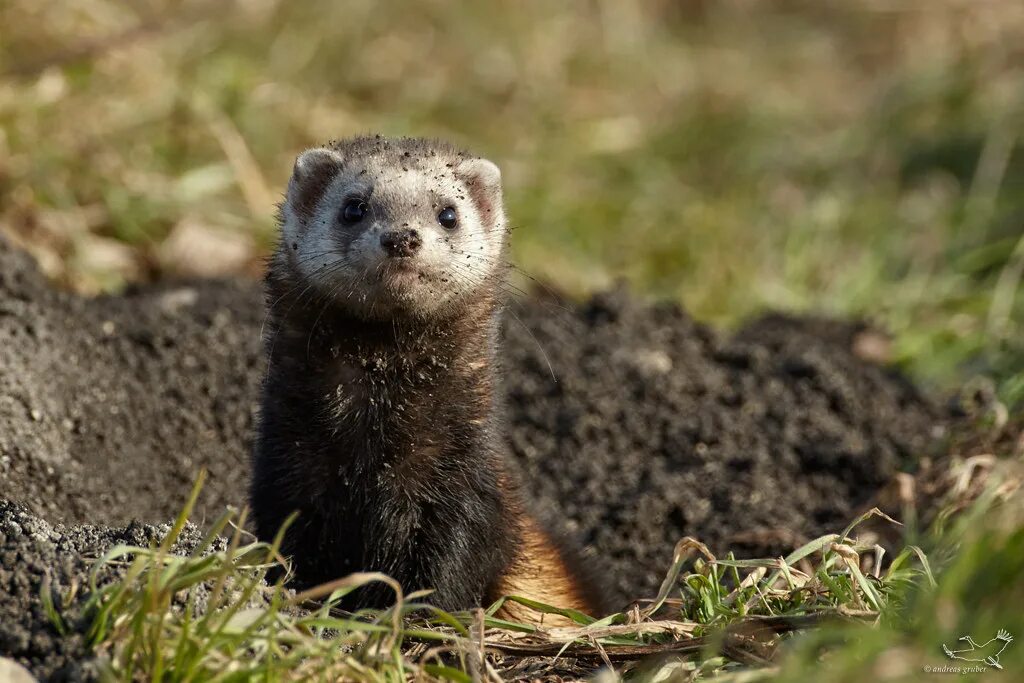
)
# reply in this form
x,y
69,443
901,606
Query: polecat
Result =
x,y
379,421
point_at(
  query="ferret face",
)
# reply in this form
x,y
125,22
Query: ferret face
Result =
x,y
392,228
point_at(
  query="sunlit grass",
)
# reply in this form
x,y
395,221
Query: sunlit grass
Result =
x,y
207,612
856,158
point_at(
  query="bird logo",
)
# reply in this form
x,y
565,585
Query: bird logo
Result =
x,y
986,653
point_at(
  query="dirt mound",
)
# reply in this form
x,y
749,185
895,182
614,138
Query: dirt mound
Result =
x,y
109,406
654,427
633,425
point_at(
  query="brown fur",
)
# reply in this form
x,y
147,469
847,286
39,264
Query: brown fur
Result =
x,y
539,570
539,573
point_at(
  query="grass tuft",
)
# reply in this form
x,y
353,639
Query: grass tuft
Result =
x,y
207,612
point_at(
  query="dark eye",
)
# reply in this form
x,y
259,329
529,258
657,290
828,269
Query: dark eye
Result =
x,y
354,211
448,218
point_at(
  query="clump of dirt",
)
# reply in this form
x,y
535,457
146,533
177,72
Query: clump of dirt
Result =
x,y
632,424
34,554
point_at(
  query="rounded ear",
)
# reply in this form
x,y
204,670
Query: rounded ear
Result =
x,y
483,181
314,170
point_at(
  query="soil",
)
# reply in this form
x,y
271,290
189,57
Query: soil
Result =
x,y
657,428
632,424
110,406
32,552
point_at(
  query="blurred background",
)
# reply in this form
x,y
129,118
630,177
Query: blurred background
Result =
x,y
855,157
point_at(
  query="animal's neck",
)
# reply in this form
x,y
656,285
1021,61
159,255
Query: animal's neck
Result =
x,y
388,392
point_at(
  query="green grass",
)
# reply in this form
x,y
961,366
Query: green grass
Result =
x,y
829,610
211,616
857,158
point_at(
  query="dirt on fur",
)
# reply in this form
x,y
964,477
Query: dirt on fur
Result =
x,y
632,424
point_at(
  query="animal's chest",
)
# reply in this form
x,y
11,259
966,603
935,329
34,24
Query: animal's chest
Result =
x,y
390,402
391,438
386,423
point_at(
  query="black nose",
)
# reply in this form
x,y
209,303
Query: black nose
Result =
x,y
404,242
